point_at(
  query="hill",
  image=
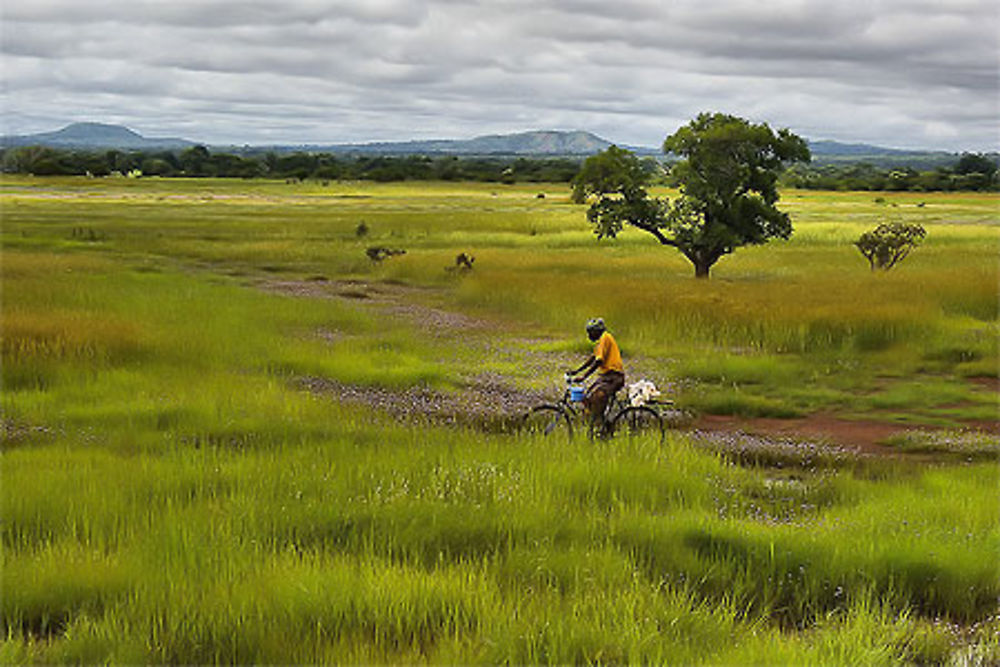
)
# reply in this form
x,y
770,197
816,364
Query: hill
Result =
x,y
95,135
538,143
835,152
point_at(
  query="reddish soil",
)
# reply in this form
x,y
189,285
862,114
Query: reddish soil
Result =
x,y
866,436
992,383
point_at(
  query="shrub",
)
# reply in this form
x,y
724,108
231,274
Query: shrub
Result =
x,y
889,243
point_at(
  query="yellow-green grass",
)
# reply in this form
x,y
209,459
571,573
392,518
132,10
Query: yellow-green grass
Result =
x,y
170,495
169,351
837,325
537,262
455,546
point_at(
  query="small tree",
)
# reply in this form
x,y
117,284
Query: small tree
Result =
x,y
888,244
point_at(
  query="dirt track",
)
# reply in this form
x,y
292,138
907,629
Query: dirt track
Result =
x,y
491,400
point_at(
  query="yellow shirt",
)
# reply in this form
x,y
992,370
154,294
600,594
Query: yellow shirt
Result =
x,y
606,351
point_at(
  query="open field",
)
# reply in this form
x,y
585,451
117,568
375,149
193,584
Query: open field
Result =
x,y
230,436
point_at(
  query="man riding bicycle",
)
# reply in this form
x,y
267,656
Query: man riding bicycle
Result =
x,y
607,361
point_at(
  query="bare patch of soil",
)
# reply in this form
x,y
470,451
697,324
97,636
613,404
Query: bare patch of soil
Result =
x,y
866,437
774,450
488,401
991,383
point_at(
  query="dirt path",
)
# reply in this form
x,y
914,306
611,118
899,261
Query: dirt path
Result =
x,y
864,435
490,399
486,399
395,301
488,403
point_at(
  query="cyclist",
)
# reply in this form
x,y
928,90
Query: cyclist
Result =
x,y
607,361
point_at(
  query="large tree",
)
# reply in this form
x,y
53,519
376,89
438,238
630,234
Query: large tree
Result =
x,y
728,189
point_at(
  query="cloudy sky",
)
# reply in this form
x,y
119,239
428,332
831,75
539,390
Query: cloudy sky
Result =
x,y
901,73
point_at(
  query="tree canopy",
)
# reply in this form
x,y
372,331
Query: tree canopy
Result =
x,y
975,163
727,174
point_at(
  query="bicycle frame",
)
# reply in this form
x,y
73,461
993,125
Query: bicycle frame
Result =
x,y
615,407
618,415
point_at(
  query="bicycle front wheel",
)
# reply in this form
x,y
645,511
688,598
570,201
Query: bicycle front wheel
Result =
x,y
634,422
547,420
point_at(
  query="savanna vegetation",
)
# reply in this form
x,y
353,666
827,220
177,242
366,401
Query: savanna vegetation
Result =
x,y
186,478
971,172
200,162
941,173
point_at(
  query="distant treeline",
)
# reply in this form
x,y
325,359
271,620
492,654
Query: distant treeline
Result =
x,y
200,162
971,171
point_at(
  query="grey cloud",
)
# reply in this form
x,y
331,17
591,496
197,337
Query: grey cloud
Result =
x,y
922,72
214,13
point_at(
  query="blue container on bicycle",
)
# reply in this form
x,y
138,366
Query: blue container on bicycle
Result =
x,y
576,393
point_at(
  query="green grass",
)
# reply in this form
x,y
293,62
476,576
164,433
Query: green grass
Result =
x,y
448,545
172,495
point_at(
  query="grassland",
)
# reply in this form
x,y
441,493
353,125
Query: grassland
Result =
x,y
172,493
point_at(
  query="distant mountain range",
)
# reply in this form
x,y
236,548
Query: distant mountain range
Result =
x,y
95,135
835,152
104,136
539,143
545,142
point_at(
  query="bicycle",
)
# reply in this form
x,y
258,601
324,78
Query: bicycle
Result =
x,y
556,419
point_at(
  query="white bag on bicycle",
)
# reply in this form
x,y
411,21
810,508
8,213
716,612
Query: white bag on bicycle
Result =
x,y
642,392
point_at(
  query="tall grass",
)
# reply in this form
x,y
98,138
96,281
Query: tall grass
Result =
x,y
449,546
780,313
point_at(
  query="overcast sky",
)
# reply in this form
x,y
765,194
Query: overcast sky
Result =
x,y
900,73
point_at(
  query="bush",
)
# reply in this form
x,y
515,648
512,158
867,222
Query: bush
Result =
x,y
889,243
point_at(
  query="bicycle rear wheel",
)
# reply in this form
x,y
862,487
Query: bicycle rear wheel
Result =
x,y
638,421
547,420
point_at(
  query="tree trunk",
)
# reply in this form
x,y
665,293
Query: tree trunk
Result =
x,y
703,260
